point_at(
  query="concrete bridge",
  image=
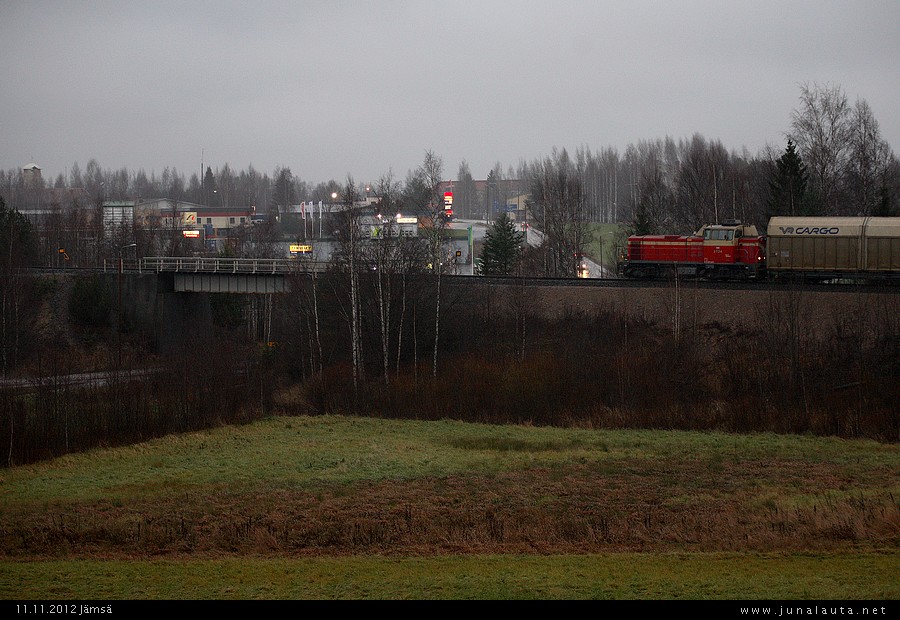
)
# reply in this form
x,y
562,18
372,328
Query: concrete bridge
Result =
x,y
221,275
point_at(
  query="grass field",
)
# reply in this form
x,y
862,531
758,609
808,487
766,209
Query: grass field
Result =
x,y
844,576
343,507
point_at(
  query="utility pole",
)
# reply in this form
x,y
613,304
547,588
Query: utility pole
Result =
x,y
119,287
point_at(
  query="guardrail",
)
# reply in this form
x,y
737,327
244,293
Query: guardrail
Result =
x,y
229,265
120,264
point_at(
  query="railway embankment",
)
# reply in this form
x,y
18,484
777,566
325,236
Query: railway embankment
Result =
x,y
815,307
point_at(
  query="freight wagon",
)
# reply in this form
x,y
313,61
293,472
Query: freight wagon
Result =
x,y
811,248
834,247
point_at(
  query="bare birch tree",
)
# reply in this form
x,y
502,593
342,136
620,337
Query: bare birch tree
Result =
x,y
870,161
700,193
429,176
821,128
349,236
557,206
383,256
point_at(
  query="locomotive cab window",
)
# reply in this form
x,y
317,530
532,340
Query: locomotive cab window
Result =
x,y
718,235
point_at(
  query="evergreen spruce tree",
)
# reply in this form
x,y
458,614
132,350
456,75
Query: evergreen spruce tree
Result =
x,y
883,206
641,223
18,242
788,187
209,187
284,188
501,248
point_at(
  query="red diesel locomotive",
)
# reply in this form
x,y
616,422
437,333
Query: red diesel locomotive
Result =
x,y
729,250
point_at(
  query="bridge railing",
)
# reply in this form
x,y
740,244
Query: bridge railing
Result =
x,y
199,264
121,264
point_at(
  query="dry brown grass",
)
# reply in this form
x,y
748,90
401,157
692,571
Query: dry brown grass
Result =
x,y
655,506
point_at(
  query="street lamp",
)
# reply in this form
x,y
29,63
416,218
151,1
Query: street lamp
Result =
x,y
122,252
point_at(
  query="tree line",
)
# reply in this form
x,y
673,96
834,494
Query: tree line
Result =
x,y
664,184
835,162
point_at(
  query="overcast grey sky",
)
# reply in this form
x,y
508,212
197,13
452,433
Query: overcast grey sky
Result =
x,y
333,88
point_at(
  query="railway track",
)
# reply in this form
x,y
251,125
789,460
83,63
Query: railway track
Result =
x,y
843,286
693,283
